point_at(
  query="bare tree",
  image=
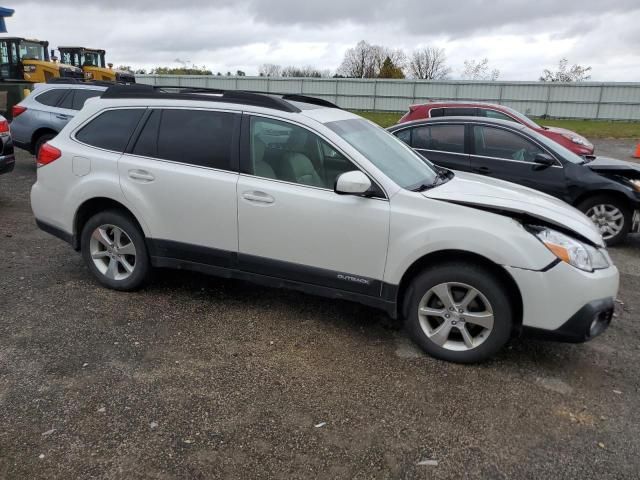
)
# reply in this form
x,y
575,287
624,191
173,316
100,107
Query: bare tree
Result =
x,y
479,70
575,73
429,63
270,70
307,71
365,60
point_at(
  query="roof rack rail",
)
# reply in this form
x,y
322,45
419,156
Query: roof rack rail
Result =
x,y
194,93
294,97
100,83
276,101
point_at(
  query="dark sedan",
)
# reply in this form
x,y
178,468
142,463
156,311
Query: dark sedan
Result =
x,y
606,190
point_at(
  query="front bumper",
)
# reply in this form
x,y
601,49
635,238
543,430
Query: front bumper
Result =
x,y
587,323
563,299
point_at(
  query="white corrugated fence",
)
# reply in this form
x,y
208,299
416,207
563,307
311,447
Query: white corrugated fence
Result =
x,y
588,100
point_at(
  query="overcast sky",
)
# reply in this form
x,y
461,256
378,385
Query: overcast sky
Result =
x,y
519,37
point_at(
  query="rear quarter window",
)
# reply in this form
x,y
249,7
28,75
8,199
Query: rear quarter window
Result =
x,y
111,130
51,97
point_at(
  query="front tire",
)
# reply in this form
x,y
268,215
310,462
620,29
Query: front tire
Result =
x,y
612,216
114,249
458,312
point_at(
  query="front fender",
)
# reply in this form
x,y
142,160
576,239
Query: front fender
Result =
x,y
419,229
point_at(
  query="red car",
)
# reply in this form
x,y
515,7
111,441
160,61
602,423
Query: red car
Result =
x,y
568,139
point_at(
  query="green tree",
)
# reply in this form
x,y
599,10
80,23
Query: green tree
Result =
x,y
390,70
184,70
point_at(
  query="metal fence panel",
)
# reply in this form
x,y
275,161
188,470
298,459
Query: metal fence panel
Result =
x,y
589,100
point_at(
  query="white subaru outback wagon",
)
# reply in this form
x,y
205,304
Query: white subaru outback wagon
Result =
x,y
292,191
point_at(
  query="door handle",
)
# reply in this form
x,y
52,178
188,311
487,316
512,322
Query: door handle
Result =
x,y
259,197
60,116
482,170
141,176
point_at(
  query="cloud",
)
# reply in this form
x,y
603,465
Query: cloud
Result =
x,y
521,38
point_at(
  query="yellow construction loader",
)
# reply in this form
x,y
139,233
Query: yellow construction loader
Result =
x,y
22,59
92,62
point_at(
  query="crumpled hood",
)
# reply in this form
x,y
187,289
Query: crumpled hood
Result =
x,y
564,131
614,166
477,190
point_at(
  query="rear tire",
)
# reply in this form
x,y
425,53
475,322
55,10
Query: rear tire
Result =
x,y
42,139
612,216
114,249
458,312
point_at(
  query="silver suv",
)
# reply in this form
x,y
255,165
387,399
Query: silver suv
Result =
x,y
40,116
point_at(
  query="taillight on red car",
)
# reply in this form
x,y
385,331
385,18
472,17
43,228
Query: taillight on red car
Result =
x,y
4,126
48,154
17,110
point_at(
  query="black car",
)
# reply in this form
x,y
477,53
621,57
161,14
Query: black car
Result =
x,y
7,158
606,190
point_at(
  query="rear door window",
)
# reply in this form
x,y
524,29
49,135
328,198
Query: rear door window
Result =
x,y
196,137
51,97
444,138
112,129
461,112
81,96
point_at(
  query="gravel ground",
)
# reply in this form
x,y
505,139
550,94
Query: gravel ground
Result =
x,y
197,377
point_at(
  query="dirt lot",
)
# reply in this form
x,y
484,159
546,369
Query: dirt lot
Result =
x,y
196,377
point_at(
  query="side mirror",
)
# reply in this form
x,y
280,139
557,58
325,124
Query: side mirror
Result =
x,y
352,183
542,161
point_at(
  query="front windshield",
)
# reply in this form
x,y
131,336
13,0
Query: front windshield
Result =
x,y
389,154
31,51
91,59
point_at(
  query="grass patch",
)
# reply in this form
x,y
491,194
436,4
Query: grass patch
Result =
x,y
588,128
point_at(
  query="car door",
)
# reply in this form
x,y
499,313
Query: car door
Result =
x,y
61,112
180,174
442,144
509,155
292,224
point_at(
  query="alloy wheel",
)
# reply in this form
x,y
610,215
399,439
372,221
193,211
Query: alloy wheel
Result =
x,y
456,316
608,218
113,252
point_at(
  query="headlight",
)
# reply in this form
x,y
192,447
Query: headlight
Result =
x,y
569,250
88,75
635,184
576,139
29,68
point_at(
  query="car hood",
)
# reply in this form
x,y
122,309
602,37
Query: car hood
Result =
x,y
614,166
483,192
564,131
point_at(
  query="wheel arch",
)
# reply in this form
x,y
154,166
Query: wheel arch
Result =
x,y
38,133
618,194
95,205
443,256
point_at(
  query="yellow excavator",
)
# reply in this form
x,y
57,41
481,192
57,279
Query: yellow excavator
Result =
x,y
23,59
92,62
